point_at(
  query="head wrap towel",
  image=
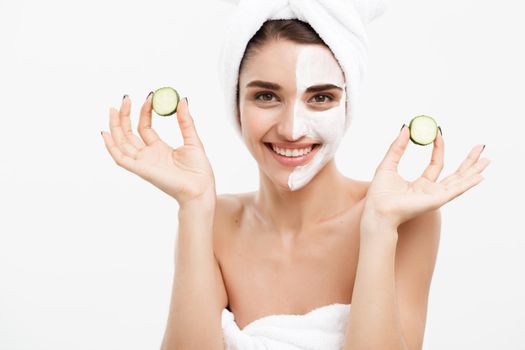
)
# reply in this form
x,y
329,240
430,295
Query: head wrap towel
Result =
x,y
340,24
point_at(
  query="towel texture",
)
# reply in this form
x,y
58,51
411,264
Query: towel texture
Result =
x,y
340,23
320,329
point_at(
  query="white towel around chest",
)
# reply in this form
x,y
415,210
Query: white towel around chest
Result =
x,y
322,328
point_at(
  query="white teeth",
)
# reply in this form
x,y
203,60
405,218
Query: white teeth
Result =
x,y
291,152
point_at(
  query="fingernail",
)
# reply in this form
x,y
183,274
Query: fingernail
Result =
x,y
101,134
483,148
149,94
187,101
402,127
440,131
123,97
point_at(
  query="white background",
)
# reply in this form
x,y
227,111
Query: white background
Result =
x,y
86,248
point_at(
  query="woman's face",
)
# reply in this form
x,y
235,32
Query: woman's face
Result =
x,y
292,110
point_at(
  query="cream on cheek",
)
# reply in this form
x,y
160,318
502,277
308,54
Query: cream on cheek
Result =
x,y
316,65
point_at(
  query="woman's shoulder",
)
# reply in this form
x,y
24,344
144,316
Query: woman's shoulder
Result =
x,y
362,184
357,189
229,209
232,204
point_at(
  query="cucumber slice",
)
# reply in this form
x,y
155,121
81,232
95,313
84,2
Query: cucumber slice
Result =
x,y
165,101
423,130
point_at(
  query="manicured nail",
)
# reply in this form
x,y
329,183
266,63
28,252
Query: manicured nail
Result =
x,y
440,131
482,148
101,134
402,127
123,97
187,103
149,94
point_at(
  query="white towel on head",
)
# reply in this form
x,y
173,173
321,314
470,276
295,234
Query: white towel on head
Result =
x,y
341,24
322,328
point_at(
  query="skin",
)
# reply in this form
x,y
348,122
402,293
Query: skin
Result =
x,y
301,228
289,114
288,223
372,244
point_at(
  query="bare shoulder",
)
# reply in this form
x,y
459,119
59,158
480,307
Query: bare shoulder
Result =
x,y
362,184
425,227
358,187
229,207
417,247
227,203
229,210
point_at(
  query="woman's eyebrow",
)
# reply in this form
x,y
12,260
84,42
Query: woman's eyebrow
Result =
x,y
277,87
264,85
323,87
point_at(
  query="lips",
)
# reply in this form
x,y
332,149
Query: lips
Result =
x,y
293,161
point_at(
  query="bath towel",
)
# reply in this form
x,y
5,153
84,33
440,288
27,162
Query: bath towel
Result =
x,y
341,24
320,329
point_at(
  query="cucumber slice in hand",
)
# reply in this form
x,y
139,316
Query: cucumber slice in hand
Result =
x,y
165,101
423,130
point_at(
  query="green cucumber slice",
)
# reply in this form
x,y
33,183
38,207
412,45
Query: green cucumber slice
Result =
x,y
165,101
423,130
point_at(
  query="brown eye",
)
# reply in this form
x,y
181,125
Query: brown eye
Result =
x,y
324,98
267,96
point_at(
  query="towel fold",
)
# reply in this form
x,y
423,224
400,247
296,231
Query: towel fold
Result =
x,y
340,23
320,329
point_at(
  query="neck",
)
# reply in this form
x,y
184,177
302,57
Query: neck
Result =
x,y
290,212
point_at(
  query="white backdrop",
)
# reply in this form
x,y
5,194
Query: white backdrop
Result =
x,y
86,248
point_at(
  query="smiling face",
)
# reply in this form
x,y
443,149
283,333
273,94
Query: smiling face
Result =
x,y
292,110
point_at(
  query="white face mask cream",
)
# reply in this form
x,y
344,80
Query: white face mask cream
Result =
x,y
316,65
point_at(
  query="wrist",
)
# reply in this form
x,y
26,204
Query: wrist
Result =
x,y
378,236
371,217
197,216
374,225
204,202
199,206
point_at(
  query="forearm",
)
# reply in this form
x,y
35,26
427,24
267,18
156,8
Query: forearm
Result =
x,y
374,322
195,310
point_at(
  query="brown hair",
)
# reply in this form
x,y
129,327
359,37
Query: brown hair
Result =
x,y
291,29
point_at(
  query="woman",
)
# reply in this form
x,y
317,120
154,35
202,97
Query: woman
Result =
x,y
307,239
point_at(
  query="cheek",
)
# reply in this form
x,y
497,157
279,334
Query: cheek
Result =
x,y
332,123
253,121
327,126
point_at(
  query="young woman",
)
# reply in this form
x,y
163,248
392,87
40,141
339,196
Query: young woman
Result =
x,y
309,237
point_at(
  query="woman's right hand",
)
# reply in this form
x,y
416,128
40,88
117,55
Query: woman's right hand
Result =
x,y
183,173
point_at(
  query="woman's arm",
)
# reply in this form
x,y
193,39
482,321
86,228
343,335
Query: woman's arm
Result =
x,y
185,174
374,321
194,320
394,314
416,256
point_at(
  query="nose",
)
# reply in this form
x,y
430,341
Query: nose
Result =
x,y
290,127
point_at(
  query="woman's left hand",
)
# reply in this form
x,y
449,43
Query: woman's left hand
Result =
x,y
391,200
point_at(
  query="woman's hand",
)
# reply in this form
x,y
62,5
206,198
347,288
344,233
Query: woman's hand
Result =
x,y
391,200
183,173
